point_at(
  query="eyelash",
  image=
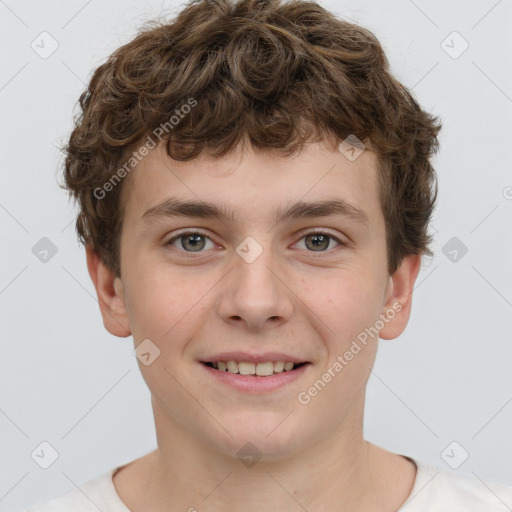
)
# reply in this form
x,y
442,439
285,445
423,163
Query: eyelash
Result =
x,y
199,232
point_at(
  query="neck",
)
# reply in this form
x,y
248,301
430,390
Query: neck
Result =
x,y
343,472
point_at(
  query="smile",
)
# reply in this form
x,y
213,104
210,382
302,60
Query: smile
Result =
x,y
263,369
255,378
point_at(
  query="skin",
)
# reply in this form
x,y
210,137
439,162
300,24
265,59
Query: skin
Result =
x,y
292,298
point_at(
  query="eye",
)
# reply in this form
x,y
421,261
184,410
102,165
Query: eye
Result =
x,y
191,241
319,241
196,241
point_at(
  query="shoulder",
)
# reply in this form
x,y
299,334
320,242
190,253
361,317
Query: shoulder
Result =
x,y
96,494
439,490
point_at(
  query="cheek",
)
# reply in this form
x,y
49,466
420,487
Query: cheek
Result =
x,y
163,303
348,295
347,305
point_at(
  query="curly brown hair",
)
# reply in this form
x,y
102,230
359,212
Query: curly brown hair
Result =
x,y
271,73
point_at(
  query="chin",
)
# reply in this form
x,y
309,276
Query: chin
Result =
x,y
273,438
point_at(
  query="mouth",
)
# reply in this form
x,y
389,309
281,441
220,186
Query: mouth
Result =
x,y
262,369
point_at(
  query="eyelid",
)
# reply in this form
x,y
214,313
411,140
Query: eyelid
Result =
x,y
189,232
323,231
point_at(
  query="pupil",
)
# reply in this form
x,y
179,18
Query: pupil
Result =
x,y
318,240
194,240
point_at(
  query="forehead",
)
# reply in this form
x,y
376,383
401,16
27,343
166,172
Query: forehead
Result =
x,y
249,184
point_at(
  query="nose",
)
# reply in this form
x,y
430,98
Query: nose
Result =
x,y
255,294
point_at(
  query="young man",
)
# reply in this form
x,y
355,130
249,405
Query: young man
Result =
x,y
255,191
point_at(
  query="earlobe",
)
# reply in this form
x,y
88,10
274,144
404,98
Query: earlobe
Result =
x,y
397,308
110,293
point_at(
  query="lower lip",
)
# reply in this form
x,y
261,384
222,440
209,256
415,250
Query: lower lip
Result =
x,y
253,383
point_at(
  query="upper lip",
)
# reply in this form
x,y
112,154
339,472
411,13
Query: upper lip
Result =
x,y
253,358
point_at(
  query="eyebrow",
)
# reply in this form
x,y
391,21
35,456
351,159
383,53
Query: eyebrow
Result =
x,y
173,207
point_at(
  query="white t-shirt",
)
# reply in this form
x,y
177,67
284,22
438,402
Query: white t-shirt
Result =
x,y
434,490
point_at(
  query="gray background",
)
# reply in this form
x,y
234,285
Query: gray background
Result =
x,y
65,380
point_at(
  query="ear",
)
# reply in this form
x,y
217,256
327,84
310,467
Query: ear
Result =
x,y
397,307
111,299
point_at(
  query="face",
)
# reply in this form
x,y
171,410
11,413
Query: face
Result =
x,y
261,274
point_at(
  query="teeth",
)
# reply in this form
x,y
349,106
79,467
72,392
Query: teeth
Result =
x,y
246,368
232,366
264,369
278,366
261,369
